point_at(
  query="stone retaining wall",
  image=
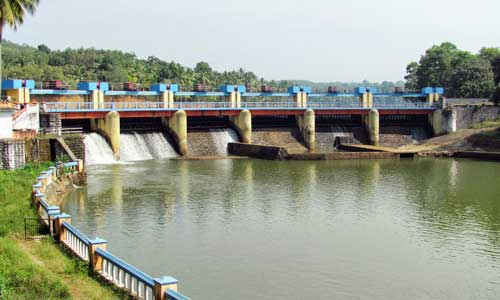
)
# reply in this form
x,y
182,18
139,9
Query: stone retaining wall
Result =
x,y
12,154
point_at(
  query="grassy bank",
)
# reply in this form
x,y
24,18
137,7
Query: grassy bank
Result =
x,y
36,269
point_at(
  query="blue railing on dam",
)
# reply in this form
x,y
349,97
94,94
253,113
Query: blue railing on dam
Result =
x,y
57,107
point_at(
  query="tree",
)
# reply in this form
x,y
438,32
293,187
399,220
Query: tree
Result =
x,y
437,64
412,76
12,13
493,56
472,78
461,73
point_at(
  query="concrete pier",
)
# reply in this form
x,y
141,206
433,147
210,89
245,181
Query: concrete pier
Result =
x,y
369,100
167,97
307,126
430,98
300,99
373,126
110,128
363,98
177,125
243,125
436,121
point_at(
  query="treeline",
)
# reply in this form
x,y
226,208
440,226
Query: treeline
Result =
x,y
74,65
461,73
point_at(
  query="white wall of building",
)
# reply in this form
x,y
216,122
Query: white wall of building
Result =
x,y
6,124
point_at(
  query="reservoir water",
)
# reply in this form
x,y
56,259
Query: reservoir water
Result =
x,y
252,229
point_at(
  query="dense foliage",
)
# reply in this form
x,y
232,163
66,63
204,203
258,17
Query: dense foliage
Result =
x,y
73,65
461,73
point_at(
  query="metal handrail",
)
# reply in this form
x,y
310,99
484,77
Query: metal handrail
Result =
x,y
213,105
136,282
76,241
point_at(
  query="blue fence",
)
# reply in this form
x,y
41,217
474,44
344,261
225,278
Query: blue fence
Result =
x,y
137,283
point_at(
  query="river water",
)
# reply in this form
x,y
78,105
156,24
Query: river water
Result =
x,y
252,229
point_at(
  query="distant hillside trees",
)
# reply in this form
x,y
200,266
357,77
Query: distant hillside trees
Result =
x,y
73,65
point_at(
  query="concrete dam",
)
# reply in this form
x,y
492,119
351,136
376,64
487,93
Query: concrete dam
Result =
x,y
209,136
166,122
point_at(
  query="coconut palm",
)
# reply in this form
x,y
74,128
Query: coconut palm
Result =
x,y
12,13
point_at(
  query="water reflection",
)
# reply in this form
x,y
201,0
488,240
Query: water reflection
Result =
x,y
344,229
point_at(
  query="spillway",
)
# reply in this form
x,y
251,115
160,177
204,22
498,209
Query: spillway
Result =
x,y
328,137
287,137
396,136
137,146
210,142
97,150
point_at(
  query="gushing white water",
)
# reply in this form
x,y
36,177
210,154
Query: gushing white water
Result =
x,y
221,137
97,150
145,146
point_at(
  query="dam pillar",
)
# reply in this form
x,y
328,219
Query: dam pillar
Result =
x,y
231,99
430,99
110,128
243,125
233,93
436,121
373,126
300,95
452,121
307,127
167,97
298,99
238,99
95,99
177,125
369,99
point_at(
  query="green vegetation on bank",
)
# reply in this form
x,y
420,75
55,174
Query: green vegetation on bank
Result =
x,y
487,124
36,269
460,72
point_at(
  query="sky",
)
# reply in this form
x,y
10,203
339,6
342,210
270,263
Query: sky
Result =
x,y
318,40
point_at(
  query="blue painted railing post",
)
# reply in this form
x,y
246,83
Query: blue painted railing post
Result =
x,y
163,284
95,260
60,231
38,206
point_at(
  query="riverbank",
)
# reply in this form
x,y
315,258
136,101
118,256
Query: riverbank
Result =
x,y
36,269
485,139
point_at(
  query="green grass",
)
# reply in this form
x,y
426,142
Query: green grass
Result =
x,y
37,269
487,124
15,197
22,279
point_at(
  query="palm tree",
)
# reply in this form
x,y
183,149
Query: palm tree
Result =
x,y
12,13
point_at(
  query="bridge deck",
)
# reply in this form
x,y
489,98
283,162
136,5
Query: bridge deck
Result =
x,y
87,110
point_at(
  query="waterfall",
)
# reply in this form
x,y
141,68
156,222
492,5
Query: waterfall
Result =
x,y
210,142
221,138
144,146
329,137
97,150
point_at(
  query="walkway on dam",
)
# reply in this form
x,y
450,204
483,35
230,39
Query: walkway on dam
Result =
x,y
88,110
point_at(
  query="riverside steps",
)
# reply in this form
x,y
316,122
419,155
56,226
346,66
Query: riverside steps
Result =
x,y
94,251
